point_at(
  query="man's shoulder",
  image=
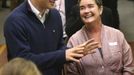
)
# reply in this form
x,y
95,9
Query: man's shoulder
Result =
x,y
19,11
17,14
14,16
54,12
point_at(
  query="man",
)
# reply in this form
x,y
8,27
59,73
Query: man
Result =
x,y
33,31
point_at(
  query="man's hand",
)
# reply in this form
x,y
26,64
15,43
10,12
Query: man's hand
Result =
x,y
75,53
89,46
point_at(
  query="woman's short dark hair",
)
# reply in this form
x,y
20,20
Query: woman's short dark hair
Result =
x,y
98,2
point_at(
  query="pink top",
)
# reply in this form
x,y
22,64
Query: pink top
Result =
x,y
117,55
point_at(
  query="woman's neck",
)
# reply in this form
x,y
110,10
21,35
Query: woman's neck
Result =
x,y
94,31
94,27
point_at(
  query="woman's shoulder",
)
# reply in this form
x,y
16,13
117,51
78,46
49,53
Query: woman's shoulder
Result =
x,y
112,31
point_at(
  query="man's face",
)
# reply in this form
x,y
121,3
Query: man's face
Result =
x,y
47,4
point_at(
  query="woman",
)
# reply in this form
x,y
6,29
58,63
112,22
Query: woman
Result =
x,y
114,55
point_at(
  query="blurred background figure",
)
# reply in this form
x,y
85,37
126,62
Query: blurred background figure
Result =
x,y
4,4
3,55
15,3
113,5
60,6
68,6
19,66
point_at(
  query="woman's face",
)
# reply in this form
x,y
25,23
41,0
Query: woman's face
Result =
x,y
89,11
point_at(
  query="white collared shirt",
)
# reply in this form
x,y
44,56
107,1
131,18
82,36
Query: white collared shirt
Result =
x,y
38,13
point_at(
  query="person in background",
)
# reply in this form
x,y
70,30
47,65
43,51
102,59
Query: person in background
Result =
x,y
60,6
34,32
15,3
19,66
69,4
114,55
113,5
4,4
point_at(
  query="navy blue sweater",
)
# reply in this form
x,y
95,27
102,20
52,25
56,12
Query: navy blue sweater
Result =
x,y
26,37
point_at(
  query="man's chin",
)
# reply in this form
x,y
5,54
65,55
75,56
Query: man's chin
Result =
x,y
51,7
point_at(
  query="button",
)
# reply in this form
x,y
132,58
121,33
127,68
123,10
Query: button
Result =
x,y
102,67
54,31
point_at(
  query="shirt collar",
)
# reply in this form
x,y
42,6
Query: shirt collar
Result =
x,y
38,13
